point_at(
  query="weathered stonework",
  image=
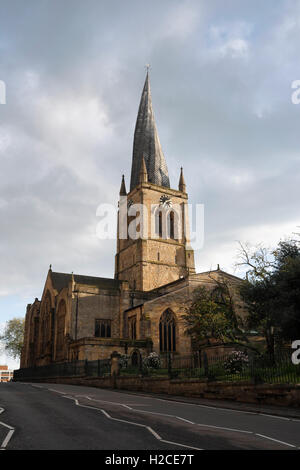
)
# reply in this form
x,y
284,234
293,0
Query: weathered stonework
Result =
x,y
89,318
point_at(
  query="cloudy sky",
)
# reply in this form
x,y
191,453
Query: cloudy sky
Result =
x,y
221,78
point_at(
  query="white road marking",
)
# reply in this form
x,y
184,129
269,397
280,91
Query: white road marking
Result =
x,y
186,420
7,439
154,433
228,409
105,401
276,440
223,428
9,434
277,417
182,419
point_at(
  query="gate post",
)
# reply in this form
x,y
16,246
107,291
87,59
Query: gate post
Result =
x,y
115,367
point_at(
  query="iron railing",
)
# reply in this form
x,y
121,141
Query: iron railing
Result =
x,y
98,368
256,368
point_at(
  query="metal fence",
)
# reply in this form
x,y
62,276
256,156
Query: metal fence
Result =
x,y
227,368
248,367
98,368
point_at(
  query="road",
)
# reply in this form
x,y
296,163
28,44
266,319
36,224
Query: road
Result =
x,y
51,416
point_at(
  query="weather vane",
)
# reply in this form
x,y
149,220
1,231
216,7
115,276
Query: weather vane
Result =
x,y
147,67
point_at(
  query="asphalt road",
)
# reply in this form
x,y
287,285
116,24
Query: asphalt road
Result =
x,y
50,416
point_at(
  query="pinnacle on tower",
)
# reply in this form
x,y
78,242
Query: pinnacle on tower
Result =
x,y
123,187
143,173
146,144
182,185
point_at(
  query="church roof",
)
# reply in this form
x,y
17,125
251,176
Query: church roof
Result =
x,y
146,144
61,280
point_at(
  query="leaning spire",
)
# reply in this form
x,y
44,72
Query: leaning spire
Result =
x,y
146,144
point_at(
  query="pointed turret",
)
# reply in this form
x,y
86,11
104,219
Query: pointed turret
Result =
x,y
143,173
181,185
123,187
146,145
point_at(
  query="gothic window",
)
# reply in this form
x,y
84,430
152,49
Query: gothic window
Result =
x,y
60,330
167,332
132,327
102,328
158,223
46,324
171,224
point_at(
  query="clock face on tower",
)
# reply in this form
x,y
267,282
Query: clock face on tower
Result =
x,y
165,201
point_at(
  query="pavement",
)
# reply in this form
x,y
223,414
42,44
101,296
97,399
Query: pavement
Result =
x,y
56,416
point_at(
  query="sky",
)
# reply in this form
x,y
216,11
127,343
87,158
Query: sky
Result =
x,y
221,75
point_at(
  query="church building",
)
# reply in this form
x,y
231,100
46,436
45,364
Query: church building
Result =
x,y
141,309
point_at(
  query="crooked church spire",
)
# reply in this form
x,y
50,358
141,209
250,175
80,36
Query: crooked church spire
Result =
x,y
147,145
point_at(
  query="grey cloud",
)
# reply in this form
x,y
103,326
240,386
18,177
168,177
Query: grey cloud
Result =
x,y
225,116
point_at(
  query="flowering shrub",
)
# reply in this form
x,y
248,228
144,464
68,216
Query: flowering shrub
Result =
x,y
123,361
235,362
152,361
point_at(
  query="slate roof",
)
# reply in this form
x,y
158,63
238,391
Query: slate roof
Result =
x,y
61,280
146,144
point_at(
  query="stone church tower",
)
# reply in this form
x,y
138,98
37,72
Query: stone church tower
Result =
x,y
142,309
159,250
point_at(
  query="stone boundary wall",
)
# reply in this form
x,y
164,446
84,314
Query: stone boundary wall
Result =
x,y
265,394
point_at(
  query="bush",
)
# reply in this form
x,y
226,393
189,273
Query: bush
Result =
x,y
152,361
236,362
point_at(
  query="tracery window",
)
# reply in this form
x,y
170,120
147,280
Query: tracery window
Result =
x,y
167,332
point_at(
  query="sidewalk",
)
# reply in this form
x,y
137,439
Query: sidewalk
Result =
x,y
282,411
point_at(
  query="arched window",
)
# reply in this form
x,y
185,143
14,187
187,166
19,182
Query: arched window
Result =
x,y
60,330
158,222
45,325
167,332
171,224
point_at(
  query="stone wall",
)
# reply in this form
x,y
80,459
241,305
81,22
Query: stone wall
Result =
x,y
266,394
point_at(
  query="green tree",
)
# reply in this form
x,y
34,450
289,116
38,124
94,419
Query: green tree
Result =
x,y
13,336
287,280
272,291
212,316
